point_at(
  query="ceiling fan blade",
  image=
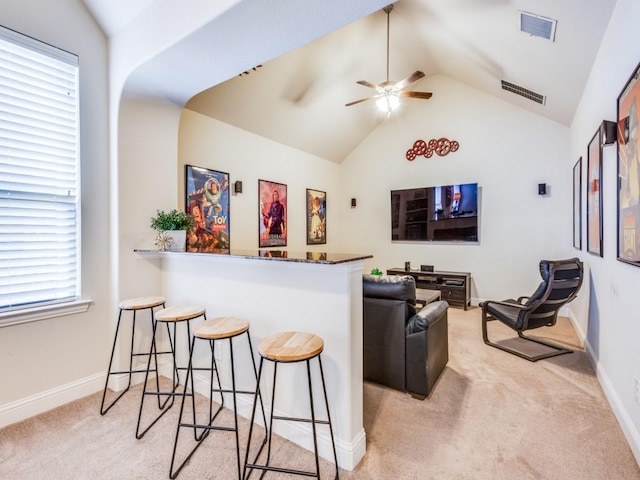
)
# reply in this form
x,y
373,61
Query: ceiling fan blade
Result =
x,y
424,95
370,85
361,100
414,77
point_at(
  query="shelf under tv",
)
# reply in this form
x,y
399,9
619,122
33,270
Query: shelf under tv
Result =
x,y
454,287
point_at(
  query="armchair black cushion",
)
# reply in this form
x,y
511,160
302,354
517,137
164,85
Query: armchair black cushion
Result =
x,y
403,349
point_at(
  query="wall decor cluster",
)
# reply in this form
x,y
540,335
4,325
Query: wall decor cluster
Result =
x,y
207,201
629,171
594,195
441,146
577,204
316,217
272,223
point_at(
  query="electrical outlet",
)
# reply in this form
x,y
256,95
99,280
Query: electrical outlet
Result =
x,y
637,391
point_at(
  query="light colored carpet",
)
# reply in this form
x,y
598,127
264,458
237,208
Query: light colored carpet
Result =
x,y
491,416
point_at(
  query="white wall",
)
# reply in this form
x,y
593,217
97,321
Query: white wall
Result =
x,y
503,148
209,143
607,311
60,358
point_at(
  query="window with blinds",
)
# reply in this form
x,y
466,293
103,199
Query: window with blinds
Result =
x,y
39,178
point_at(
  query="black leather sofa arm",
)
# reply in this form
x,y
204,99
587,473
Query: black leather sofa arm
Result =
x,y
422,320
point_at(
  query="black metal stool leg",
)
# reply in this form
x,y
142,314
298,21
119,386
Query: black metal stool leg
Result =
x,y
132,354
253,415
235,405
273,402
173,474
146,378
255,372
326,402
170,395
313,420
106,383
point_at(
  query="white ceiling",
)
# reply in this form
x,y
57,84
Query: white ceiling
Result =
x,y
298,98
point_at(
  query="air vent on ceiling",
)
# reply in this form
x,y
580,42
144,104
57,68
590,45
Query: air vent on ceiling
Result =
x,y
538,26
523,92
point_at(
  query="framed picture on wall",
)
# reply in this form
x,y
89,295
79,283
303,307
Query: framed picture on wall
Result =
x,y
316,217
577,204
207,201
594,195
628,205
272,224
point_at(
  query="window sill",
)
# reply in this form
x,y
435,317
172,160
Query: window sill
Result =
x,y
42,313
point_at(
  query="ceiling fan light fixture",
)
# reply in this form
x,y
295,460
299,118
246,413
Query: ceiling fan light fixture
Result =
x,y
387,103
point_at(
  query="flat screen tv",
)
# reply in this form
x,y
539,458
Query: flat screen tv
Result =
x,y
447,213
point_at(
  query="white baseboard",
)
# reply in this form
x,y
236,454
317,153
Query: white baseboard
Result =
x,y
626,424
41,402
624,420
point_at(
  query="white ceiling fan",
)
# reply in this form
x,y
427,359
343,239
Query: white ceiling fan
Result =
x,y
388,92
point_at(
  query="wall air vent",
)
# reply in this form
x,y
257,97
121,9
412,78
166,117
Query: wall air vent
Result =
x,y
523,92
537,26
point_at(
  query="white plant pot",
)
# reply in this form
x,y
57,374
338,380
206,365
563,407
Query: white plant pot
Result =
x,y
179,240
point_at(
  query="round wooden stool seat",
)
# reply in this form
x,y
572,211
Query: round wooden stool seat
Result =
x,y
179,313
139,303
291,346
221,327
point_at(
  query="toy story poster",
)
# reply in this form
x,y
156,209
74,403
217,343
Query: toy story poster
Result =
x,y
207,201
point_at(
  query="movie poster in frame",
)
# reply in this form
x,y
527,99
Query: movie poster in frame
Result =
x,y
628,203
316,217
272,214
594,195
207,201
577,204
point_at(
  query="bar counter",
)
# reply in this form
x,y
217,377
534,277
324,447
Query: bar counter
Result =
x,y
279,291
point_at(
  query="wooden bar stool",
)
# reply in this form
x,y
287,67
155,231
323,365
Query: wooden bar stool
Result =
x,y
171,315
212,330
291,347
134,305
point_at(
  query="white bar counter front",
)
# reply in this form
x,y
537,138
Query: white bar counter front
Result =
x,y
279,291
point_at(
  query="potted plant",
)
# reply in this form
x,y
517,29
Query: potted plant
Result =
x,y
172,229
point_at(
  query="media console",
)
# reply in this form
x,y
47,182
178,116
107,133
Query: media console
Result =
x,y
454,287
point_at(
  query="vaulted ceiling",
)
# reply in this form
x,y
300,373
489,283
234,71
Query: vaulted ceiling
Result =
x,y
298,98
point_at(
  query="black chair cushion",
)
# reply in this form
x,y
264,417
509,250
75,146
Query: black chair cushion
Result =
x,y
506,314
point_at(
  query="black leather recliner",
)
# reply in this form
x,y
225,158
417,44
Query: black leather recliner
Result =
x,y
403,349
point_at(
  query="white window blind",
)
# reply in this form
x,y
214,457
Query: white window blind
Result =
x,y
39,209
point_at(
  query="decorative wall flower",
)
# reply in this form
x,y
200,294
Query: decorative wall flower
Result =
x,y
163,241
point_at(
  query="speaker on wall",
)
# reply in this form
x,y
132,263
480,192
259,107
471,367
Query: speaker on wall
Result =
x,y
237,187
608,132
542,189
353,203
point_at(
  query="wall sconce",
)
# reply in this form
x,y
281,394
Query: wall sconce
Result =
x,y
608,132
542,189
237,187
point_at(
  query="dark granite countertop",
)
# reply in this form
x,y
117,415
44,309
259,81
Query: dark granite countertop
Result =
x,y
279,255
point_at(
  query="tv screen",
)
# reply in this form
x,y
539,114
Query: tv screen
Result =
x,y
442,213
